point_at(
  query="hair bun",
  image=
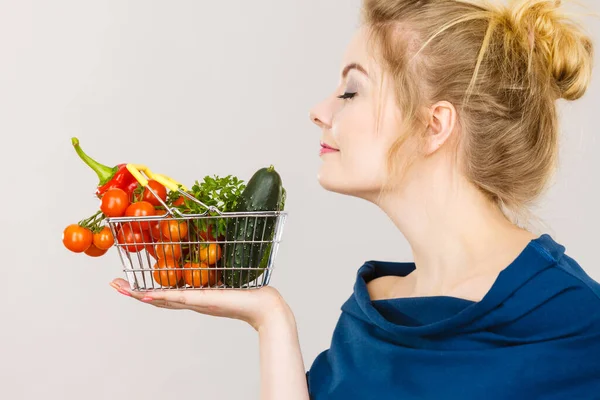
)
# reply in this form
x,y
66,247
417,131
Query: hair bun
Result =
x,y
562,46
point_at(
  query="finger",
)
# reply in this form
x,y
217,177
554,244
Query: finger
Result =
x,y
120,282
121,288
120,285
201,300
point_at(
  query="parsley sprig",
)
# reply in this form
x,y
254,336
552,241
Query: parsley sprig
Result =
x,y
221,192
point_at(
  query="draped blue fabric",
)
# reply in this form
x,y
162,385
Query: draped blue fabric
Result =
x,y
534,335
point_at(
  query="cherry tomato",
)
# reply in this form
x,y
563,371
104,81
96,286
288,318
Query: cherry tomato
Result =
x,y
173,230
132,239
77,238
150,249
199,275
168,250
179,201
94,251
210,253
103,240
159,189
160,212
208,234
114,202
165,274
140,209
155,225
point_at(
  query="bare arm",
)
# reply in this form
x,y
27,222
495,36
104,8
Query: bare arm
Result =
x,y
282,371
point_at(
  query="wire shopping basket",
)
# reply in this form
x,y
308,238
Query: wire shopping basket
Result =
x,y
211,250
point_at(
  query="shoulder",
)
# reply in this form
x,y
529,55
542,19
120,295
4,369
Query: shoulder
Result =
x,y
578,277
565,274
561,301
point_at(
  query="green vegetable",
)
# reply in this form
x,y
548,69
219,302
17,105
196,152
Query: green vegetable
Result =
x,y
221,192
264,192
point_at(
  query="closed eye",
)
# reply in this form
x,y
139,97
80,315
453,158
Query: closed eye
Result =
x,y
347,95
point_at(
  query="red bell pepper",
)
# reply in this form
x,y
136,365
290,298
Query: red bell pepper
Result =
x,y
115,177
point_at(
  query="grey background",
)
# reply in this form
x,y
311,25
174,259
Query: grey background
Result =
x,y
191,88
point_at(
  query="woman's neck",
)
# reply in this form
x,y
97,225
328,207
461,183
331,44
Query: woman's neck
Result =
x,y
455,233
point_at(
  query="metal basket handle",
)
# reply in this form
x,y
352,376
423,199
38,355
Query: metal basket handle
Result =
x,y
142,174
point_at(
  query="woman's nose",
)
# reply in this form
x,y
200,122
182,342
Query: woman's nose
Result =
x,y
318,117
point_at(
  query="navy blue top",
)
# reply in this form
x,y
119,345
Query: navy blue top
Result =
x,y
534,335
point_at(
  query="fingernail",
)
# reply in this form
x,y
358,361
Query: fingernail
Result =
x,y
126,293
147,299
115,286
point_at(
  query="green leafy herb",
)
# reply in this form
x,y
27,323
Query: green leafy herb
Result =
x,y
220,192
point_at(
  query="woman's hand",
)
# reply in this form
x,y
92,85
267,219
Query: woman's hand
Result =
x,y
281,365
254,306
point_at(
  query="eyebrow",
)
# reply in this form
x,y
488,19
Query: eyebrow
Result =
x,y
352,66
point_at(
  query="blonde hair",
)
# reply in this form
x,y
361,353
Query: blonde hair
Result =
x,y
502,67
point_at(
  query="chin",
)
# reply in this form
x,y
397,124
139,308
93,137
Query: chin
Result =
x,y
337,182
331,180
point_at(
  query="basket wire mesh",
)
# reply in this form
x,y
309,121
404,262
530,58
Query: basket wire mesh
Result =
x,y
212,250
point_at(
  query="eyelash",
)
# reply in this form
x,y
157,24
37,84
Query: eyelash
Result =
x,y
347,96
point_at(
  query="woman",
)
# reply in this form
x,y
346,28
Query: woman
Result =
x,y
445,118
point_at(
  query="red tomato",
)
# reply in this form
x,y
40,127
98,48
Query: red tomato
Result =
x,y
211,253
114,202
150,249
77,238
159,189
173,230
132,239
104,240
94,251
199,275
165,250
155,231
179,201
164,273
140,209
208,234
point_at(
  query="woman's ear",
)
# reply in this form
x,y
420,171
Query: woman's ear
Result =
x,y
440,126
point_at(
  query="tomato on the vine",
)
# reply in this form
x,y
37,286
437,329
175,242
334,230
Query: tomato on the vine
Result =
x,y
159,189
103,240
114,202
94,251
133,240
140,209
77,238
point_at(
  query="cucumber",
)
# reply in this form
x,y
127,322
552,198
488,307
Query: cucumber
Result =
x,y
264,192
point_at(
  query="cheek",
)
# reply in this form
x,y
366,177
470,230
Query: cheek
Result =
x,y
362,147
360,166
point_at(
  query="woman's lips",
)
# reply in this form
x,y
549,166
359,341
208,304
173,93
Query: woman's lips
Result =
x,y
325,148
